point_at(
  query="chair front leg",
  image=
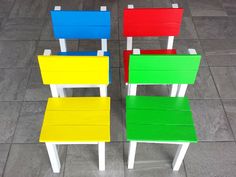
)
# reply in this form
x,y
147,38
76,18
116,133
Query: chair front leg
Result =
x,y
101,155
179,156
53,156
132,151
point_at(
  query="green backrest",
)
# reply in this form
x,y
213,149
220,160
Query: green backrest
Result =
x,y
163,69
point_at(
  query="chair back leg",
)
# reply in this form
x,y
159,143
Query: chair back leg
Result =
x,y
101,155
53,156
132,151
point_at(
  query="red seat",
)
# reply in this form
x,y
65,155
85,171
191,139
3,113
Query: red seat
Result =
x,y
127,53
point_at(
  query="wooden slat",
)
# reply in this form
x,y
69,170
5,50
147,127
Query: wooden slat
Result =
x,y
81,24
152,21
163,69
74,69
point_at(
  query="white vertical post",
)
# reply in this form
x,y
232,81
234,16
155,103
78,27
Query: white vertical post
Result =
x,y
53,156
47,52
57,8
101,155
132,151
136,51
63,45
129,43
103,41
192,51
179,156
54,90
174,90
61,91
175,5
170,42
182,90
130,39
132,89
103,90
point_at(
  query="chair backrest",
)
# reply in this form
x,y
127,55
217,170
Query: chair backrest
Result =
x,y
163,69
74,69
144,22
178,70
81,24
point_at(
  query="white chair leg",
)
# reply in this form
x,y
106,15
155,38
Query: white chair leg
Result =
x,y
103,91
132,89
132,151
101,156
53,156
61,91
179,156
174,90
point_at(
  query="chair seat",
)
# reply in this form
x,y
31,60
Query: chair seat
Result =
x,y
85,119
127,53
159,119
88,53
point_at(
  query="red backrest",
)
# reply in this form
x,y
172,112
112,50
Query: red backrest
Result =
x,y
152,22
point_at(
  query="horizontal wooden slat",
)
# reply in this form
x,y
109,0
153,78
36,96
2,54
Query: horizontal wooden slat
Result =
x,y
81,24
163,69
165,133
152,21
127,54
78,104
75,134
74,69
157,103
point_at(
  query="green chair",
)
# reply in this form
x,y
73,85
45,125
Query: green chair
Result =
x,y
155,119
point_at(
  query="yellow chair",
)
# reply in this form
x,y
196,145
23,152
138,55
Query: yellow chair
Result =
x,y
75,120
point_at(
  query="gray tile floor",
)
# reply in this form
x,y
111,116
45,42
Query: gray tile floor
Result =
x,y
209,26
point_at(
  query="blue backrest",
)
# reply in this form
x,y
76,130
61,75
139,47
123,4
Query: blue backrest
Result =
x,y
81,24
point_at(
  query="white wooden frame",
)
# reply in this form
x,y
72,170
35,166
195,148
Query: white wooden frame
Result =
x,y
62,41
129,39
178,90
57,91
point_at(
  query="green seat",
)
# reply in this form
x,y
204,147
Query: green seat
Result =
x,y
166,119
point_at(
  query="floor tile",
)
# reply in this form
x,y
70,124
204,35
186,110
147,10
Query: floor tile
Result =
x,y
210,121
21,57
4,149
220,52
204,86
82,160
211,159
29,8
225,80
29,123
21,29
215,27
153,160
66,4
13,84
36,161
5,7
9,112
229,6
230,110
206,8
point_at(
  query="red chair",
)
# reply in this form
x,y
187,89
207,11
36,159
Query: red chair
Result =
x,y
150,22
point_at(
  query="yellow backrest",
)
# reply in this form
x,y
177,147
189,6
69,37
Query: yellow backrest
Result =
x,y
74,69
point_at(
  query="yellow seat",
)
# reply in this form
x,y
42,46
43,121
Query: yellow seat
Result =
x,y
83,119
